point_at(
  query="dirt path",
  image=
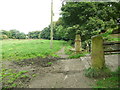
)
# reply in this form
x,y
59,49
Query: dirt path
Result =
x,y
62,54
66,73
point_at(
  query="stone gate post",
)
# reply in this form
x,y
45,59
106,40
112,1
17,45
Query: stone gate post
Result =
x,y
97,55
77,43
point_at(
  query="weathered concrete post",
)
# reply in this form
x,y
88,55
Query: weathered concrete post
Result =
x,y
77,43
97,55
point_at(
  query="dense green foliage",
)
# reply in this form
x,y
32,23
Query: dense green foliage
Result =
x,y
46,33
34,34
13,34
25,49
90,18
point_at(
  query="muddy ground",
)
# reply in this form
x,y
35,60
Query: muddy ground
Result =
x,y
34,67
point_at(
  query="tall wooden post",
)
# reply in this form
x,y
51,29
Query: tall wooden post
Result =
x,y
51,34
97,55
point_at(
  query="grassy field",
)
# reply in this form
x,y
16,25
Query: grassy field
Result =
x,y
18,51
24,49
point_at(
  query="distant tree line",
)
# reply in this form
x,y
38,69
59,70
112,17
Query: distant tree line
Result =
x,y
15,34
12,34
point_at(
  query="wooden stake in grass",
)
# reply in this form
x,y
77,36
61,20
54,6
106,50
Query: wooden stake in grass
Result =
x,y
97,55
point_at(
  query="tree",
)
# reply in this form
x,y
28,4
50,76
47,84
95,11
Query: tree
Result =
x,y
92,17
45,34
89,17
3,37
20,36
34,34
13,34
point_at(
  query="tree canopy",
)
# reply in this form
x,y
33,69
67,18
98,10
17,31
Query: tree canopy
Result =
x,y
90,18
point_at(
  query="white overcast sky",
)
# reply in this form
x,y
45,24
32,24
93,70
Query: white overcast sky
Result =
x,y
27,15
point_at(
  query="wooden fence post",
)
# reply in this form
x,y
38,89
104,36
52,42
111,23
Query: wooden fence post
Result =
x,y
97,55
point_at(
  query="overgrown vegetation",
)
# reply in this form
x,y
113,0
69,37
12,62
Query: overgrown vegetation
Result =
x,y
109,82
9,78
105,78
25,49
97,73
108,36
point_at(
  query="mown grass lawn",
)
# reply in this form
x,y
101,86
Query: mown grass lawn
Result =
x,y
25,49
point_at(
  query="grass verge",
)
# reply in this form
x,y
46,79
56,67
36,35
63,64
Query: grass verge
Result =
x,y
105,78
25,49
109,82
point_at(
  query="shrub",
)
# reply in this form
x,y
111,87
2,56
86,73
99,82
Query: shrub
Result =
x,y
97,73
3,37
